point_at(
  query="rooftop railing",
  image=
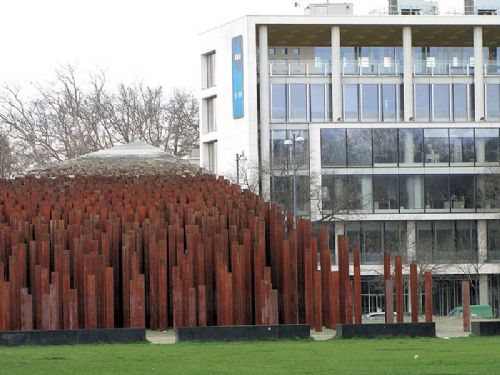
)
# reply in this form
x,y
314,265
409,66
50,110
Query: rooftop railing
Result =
x,y
300,68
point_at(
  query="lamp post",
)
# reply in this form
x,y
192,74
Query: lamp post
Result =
x,y
239,158
292,143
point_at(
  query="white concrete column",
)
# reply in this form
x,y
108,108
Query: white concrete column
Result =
x,y
483,290
336,74
407,73
478,73
411,240
367,193
315,172
339,231
265,157
482,243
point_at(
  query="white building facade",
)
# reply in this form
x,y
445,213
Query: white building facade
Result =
x,y
387,126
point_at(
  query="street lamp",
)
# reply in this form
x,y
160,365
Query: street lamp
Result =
x,y
292,143
239,158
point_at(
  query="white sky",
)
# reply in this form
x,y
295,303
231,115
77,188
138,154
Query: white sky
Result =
x,y
154,41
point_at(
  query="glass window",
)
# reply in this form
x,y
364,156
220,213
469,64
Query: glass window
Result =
x,y
425,242
466,241
385,193
486,146
410,146
280,157
334,193
395,238
488,192
422,102
462,146
298,102
371,249
282,193
353,233
437,197
359,147
462,192
278,103
318,101
494,240
444,249
351,106
389,103
211,152
296,51
441,103
411,193
492,102
210,59
369,107
272,51
360,193
210,115
333,147
436,146
460,102
284,51
385,147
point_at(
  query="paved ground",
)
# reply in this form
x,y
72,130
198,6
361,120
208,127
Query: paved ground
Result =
x,y
445,328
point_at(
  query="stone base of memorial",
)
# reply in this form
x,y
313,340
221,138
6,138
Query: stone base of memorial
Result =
x,y
380,330
486,328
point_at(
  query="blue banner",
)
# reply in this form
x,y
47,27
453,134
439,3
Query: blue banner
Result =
x,y
238,106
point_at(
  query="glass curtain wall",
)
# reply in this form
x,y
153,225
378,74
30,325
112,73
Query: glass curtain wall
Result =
x,y
492,101
493,240
333,147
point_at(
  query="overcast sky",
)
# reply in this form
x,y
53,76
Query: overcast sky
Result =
x,y
154,41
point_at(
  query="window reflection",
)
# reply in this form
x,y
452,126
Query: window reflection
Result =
x,y
385,193
492,102
487,148
333,147
422,102
359,147
436,146
462,193
437,196
369,103
385,147
410,146
411,193
460,102
298,102
389,103
278,103
462,146
441,102
351,105
487,193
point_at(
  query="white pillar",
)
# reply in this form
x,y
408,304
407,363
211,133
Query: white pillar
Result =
x,y
315,172
265,157
336,71
339,231
411,240
407,73
409,147
478,73
483,290
482,244
366,193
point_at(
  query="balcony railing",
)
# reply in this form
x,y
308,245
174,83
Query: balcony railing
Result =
x,y
300,68
363,67
446,68
492,68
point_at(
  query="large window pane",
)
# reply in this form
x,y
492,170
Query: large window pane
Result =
x,y
437,197
488,192
461,146
359,147
351,100
395,238
293,156
360,193
462,193
410,147
460,102
278,103
385,193
466,241
282,193
280,152
318,101
425,242
444,250
422,102
298,102
369,108
441,103
385,147
411,193
389,103
486,146
494,240
334,193
371,249
333,148
436,146
492,102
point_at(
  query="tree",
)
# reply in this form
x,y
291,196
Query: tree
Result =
x,y
71,117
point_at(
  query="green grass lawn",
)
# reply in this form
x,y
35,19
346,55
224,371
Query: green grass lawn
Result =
x,y
473,355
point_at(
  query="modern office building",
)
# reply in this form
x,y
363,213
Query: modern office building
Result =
x,y
385,126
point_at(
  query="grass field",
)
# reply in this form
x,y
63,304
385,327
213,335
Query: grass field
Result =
x,y
473,355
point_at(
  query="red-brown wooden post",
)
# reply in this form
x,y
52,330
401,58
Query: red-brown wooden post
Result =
x,y
428,297
318,311
389,301
202,306
326,268
398,270
414,293
357,285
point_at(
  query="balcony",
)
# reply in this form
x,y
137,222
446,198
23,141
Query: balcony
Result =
x,y
366,67
300,68
432,67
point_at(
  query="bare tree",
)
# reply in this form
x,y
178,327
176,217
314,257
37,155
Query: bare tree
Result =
x,y
71,117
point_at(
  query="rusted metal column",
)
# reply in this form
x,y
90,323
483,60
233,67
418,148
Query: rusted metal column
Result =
x,y
428,296
414,293
357,285
398,270
389,301
466,305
